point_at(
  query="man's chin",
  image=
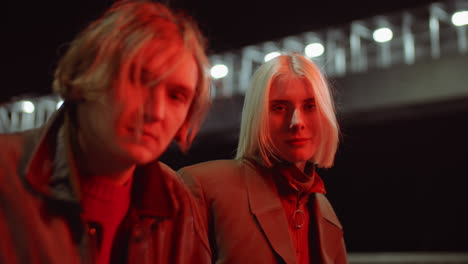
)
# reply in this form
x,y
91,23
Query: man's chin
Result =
x,y
142,155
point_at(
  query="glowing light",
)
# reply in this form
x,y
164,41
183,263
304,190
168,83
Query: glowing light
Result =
x,y
27,106
314,50
460,18
382,35
219,71
271,56
59,104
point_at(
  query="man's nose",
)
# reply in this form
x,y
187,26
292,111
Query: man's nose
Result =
x,y
155,107
296,120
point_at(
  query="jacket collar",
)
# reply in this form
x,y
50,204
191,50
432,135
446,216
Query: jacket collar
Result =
x,y
152,193
49,171
330,231
266,205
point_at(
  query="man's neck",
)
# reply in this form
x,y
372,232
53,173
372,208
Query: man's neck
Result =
x,y
92,162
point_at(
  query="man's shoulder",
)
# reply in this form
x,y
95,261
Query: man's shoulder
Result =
x,y
15,145
166,170
169,175
11,143
186,214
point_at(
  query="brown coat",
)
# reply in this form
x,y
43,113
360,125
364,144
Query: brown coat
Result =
x,y
40,211
247,222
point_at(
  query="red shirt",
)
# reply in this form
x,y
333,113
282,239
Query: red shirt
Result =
x,y
105,205
294,187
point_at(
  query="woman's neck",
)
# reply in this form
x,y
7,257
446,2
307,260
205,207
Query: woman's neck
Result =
x,y
301,165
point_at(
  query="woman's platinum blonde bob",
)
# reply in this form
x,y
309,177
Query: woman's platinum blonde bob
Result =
x,y
254,139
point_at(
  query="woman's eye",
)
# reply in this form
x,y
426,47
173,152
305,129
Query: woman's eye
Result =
x,y
278,108
310,107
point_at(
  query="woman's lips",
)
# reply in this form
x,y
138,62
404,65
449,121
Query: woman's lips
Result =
x,y
298,141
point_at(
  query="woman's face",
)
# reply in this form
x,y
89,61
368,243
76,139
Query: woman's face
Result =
x,y
293,119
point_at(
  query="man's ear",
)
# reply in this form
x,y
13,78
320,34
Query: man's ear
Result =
x,y
181,138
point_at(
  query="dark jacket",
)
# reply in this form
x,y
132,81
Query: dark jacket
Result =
x,y
40,210
247,221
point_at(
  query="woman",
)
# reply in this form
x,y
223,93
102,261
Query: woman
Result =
x,y
268,204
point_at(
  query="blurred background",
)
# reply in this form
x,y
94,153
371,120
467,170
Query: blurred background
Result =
x,y
399,73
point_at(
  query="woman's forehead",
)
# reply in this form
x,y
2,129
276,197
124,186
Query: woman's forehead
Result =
x,y
290,85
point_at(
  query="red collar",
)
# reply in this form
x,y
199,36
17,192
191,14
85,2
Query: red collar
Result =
x,y
292,181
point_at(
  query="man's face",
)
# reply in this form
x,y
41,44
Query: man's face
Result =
x,y
135,124
293,119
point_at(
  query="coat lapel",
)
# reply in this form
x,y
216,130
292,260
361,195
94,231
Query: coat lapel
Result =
x,y
330,231
266,206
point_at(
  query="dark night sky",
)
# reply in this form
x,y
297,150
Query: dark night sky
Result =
x,y
36,30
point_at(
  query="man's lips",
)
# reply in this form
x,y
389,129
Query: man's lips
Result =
x,y
146,133
150,135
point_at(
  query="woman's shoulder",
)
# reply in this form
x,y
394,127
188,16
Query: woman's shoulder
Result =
x,y
215,170
214,165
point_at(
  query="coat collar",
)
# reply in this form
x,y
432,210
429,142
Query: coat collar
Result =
x,y
49,171
152,193
266,205
330,233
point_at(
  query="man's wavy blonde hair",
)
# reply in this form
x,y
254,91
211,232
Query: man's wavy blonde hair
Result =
x,y
112,50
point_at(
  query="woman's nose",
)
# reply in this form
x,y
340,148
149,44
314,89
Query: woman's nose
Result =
x,y
296,119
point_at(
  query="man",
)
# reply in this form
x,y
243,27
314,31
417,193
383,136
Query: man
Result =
x,y
268,205
87,187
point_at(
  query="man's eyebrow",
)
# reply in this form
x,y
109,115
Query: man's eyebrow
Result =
x,y
181,88
147,75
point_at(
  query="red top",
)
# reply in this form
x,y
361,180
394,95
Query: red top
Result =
x,y
294,187
105,204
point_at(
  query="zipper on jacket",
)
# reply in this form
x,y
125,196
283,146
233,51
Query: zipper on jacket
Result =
x,y
298,221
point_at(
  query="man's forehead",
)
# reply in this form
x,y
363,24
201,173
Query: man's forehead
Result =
x,y
160,61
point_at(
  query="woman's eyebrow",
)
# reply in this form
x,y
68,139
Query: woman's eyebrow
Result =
x,y
182,88
280,101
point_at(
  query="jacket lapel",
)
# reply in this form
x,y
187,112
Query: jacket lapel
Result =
x,y
151,191
266,206
329,228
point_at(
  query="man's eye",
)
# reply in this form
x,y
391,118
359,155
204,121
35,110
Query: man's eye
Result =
x,y
178,96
